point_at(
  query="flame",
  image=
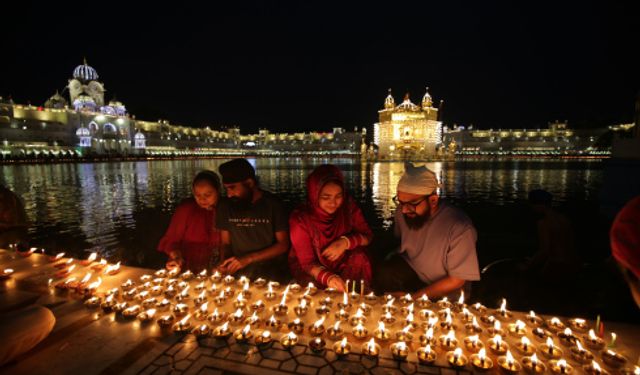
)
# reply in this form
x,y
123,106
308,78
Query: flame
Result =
x,y
292,335
336,326
432,321
273,320
112,269
407,297
371,345
579,321
284,296
596,366
451,335
238,313
449,319
359,327
390,302
215,312
92,257
70,280
549,342
525,341
497,339
109,299
204,307
70,269
95,284
427,349
266,334
410,318
424,298
303,303
406,329
343,343
636,370
8,271
555,321
151,313
310,286
567,331
358,314
562,363
503,306
239,298
296,321
429,334
592,335
457,353
461,299
224,327
532,314
70,261
474,339
496,325
246,329
203,273
510,358
388,315
318,322
444,299
58,256
185,319
270,289
482,354
185,291
371,294
221,295
259,303
613,337
520,325
245,287
201,285
534,359
410,308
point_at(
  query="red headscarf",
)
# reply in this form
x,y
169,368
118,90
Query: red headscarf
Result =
x,y
625,236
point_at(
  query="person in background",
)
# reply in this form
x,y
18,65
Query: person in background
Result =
x,y
13,219
329,234
253,224
625,245
437,255
192,242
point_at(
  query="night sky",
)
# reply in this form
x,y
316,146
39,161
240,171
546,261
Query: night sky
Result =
x,y
313,66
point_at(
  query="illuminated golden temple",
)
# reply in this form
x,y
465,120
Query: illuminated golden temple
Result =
x,y
407,130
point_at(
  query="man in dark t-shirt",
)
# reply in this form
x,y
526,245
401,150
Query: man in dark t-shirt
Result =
x,y
254,225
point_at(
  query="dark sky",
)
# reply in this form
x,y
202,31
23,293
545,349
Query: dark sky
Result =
x,y
313,66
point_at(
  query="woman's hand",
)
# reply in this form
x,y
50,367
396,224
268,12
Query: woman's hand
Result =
x,y
335,250
337,283
175,260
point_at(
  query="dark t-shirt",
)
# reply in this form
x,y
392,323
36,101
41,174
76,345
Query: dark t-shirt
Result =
x,y
253,228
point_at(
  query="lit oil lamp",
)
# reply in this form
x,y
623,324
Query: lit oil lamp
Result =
x,y
295,288
580,354
366,308
534,320
301,309
594,368
183,295
389,307
371,298
109,302
473,343
426,355
613,359
560,367
166,321
509,364
497,345
149,302
257,306
328,301
444,313
423,302
555,325
630,371
503,313
186,275
228,280
92,257
202,312
65,264
173,272
467,316
323,310
342,348
344,304
170,292
289,340
532,365
132,311
220,299
473,327
371,349
388,319
180,309
519,328
56,258
253,320
459,305
405,334
496,329
156,290
280,309
488,320
222,332
317,328
567,338
127,285
549,350
479,308
246,292
202,275
273,323
213,290
118,308
541,334
448,341
239,302
524,346
360,332
447,323
228,292
93,302
335,332
428,338
317,345
69,283
243,280
456,358
161,273
237,317
444,303
141,296
216,277
91,289
406,310
593,341
311,289
202,330
480,361
264,339
406,299
270,295
112,269
147,315
579,324
296,326
274,284
201,298
243,335
217,317
400,350
64,272
381,333
358,318
146,278
342,315
163,305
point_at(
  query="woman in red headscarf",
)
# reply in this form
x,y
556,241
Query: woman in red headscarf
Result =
x,y
329,234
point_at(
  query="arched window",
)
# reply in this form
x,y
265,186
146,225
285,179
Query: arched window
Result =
x,y
110,128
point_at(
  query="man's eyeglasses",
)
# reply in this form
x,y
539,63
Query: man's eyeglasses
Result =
x,y
410,205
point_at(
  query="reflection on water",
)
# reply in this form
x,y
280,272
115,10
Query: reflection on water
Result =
x,y
102,206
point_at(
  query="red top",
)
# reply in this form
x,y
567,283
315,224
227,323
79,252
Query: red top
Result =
x,y
312,229
192,232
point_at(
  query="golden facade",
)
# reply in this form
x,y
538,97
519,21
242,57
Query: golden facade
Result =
x,y
407,131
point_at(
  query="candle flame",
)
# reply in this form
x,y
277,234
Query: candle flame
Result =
x,y
613,337
549,342
534,359
562,363
424,298
579,345
457,353
266,334
225,326
73,266
410,318
636,370
70,280
482,354
406,329
371,345
497,339
474,322
596,366
95,284
270,288
429,334
388,315
474,339
319,322
525,341
390,302
92,257
358,314
7,271
579,321
201,285
246,329
592,335
112,269
203,273
204,307
407,297
461,299
70,261
292,336
238,313
555,321
410,308
520,326
567,331
336,326
503,305
532,314
343,343
427,349
150,313
496,325
273,320
510,359
303,303
185,319
451,335
59,255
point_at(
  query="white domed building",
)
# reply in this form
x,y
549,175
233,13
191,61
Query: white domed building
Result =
x,y
85,82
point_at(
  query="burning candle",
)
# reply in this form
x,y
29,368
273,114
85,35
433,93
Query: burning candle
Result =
x,y
228,279
423,301
127,285
447,323
180,309
389,307
388,319
131,312
428,338
467,316
64,264
202,330
560,367
444,303
216,316
488,319
222,332
532,365
301,309
92,257
366,309
358,318
448,341
567,338
400,350
317,328
613,359
264,339
480,361
6,273
578,324
243,335
342,347
405,334
56,258
202,312
503,312
594,369
65,271
120,307
323,310
555,325
541,334
289,340
163,305
406,299
161,273
473,343
237,317
157,290
426,355
497,345
360,332
173,272
216,277
336,331
342,315
509,364
147,315
371,298
108,303
111,270
269,295
593,341
311,289
93,302
456,358
166,321
533,319
317,345
579,354
612,344
240,302
149,302
496,329
344,304
518,328
258,306
473,327
220,299
524,346
371,349
549,350
479,308
202,275
381,333
296,326
273,323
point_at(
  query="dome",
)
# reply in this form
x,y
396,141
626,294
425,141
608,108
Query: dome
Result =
x,y
55,101
389,103
115,103
83,132
407,105
84,99
427,101
85,73
139,136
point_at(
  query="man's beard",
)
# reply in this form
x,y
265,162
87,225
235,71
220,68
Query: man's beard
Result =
x,y
417,221
243,203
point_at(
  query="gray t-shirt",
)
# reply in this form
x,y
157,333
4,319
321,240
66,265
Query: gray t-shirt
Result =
x,y
444,246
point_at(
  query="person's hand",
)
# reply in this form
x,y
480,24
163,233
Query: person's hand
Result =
x,y
175,260
337,283
234,264
335,250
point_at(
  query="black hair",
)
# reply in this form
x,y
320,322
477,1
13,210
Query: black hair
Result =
x,y
209,177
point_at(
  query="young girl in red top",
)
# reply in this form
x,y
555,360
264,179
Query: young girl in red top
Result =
x,y
191,241
329,234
